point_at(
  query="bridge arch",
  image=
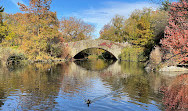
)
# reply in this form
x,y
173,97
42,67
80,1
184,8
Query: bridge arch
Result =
x,y
114,48
86,54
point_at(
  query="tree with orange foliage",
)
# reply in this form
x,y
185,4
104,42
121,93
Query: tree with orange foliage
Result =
x,y
74,29
41,27
175,42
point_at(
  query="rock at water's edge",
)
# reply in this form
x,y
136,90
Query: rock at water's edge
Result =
x,y
173,69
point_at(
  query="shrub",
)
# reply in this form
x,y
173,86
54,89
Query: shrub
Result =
x,y
55,50
133,53
6,52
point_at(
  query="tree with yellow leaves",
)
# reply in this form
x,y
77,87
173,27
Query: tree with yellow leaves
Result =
x,y
138,28
41,27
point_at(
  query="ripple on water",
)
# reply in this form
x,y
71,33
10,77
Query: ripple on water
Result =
x,y
67,88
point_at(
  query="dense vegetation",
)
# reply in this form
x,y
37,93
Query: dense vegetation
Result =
x,y
38,33
176,33
146,28
143,29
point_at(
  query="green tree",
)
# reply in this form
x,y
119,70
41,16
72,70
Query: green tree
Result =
x,y
138,31
114,30
138,28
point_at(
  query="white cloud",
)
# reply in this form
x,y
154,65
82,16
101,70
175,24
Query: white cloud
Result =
x,y
16,2
102,16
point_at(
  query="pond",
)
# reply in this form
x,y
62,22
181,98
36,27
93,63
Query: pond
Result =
x,y
109,85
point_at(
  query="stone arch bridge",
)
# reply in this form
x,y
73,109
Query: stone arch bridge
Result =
x,y
114,48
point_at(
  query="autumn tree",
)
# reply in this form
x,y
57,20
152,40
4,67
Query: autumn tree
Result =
x,y
175,42
15,30
137,30
114,30
138,27
41,27
106,32
164,4
74,29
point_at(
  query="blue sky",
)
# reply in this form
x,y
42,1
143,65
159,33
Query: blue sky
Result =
x,y
96,12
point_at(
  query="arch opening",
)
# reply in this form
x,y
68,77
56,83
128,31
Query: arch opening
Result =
x,y
95,53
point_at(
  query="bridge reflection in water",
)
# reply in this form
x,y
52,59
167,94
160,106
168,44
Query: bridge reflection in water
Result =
x,y
65,86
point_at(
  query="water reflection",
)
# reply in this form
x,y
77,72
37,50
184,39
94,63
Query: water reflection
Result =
x,y
35,85
112,86
133,68
94,64
136,84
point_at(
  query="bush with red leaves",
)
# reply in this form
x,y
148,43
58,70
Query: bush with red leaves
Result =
x,y
176,94
176,33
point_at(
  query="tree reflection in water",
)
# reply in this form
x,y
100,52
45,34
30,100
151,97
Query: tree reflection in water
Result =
x,y
95,65
176,94
134,85
35,85
46,86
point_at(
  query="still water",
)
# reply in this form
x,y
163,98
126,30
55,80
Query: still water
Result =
x,y
111,86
